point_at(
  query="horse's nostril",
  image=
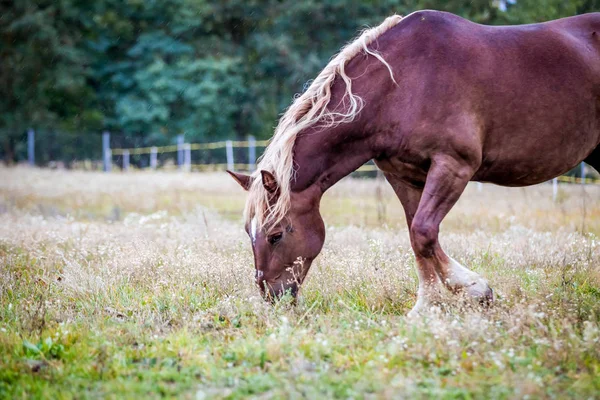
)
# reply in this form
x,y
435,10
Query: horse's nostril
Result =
x,y
259,277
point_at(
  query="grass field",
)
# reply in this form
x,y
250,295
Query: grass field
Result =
x,y
141,284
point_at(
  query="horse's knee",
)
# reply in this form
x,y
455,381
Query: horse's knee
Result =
x,y
424,238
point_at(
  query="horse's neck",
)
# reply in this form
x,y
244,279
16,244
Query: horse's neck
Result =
x,y
324,157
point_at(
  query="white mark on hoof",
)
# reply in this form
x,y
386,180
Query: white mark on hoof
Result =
x,y
461,278
419,306
427,297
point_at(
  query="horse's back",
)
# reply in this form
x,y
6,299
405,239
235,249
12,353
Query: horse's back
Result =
x,y
533,91
455,39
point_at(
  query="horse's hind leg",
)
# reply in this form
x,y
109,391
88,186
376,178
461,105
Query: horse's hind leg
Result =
x,y
446,180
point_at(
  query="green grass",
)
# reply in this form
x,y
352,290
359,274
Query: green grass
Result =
x,y
154,344
163,305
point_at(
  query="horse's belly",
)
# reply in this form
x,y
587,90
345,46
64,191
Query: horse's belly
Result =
x,y
519,175
531,161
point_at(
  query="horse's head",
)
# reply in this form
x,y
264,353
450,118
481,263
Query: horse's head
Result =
x,y
284,250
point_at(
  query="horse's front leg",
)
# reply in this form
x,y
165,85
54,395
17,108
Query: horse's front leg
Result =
x,y
410,196
445,182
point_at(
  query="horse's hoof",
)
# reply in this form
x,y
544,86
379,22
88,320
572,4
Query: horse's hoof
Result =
x,y
483,295
482,292
488,298
413,314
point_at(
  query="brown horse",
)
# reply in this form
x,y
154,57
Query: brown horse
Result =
x,y
436,101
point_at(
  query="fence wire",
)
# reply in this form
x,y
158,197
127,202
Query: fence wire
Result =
x,y
193,146
248,167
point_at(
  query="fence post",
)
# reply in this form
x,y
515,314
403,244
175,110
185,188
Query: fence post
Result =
x,y
229,149
106,153
187,159
153,154
180,151
125,160
554,189
251,153
31,147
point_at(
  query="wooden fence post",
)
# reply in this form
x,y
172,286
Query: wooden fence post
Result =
x,y
106,153
153,157
229,150
251,153
180,151
125,160
187,158
31,147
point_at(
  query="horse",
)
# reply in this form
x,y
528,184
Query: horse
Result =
x,y
435,101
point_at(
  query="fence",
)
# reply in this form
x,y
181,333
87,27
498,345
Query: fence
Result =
x,y
184,159
183,153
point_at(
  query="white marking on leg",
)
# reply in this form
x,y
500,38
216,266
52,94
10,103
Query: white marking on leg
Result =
x,y
420,305
427,294
253,225
460,277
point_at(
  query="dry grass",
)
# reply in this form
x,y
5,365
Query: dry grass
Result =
x,y
141,284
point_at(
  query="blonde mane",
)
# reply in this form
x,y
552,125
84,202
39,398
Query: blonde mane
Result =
x,y
307,110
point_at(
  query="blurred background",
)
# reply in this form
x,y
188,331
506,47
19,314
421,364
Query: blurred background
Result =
x,y
148,71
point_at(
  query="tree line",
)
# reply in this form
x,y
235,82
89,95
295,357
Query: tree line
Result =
x,y
149,70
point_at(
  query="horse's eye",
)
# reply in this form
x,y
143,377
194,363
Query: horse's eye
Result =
x,y
273,239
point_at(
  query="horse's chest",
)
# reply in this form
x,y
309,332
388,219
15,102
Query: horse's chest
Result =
x,y
406,171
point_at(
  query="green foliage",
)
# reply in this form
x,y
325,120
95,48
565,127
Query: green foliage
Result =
x,y
151,70
46,348
544,10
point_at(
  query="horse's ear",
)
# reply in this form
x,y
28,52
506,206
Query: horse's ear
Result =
x,y
244,180
269,182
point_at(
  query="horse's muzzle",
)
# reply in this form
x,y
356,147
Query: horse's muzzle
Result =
x,y
275,291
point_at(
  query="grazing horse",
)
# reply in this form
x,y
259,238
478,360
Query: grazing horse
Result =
x,y
436,101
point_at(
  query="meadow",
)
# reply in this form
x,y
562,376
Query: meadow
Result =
x,y
141,284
